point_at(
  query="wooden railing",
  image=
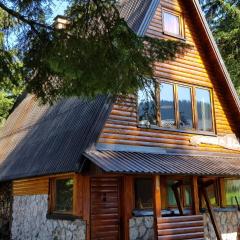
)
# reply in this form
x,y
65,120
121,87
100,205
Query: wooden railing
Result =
x,y
179,228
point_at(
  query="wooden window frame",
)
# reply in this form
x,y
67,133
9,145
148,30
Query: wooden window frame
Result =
x,y
52,196
193,88
222,192
217,192
177,178
134,192
181,23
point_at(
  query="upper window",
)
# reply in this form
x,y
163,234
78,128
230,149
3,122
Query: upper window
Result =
x,y
62,195
143,193
232,192
176,106
147,106
167,110
172,23
204,110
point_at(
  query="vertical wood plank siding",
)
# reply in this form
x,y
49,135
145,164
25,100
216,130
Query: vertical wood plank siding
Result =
x,y
192,68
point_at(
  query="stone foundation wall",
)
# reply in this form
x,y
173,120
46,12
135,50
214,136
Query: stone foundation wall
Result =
x,y
30,222
141,228
228,223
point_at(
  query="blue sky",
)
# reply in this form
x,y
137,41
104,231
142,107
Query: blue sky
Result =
x,y
59,8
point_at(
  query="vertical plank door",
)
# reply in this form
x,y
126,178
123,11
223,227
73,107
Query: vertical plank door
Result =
x,y
105,208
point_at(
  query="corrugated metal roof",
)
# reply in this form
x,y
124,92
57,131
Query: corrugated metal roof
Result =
x,y
40,140
149,163
134,11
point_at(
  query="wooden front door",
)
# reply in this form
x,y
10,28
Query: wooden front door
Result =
x,y
105,208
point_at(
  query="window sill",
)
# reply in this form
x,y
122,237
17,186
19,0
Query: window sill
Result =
x,y
174,36
212,134
142,213
61,216
218,209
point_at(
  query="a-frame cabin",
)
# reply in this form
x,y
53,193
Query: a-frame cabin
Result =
x,y
131,170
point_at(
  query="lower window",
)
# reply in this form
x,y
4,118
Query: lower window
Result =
x,y
184,192
143,193
232,192
62,195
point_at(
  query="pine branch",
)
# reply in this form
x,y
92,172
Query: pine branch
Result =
x,y
24,19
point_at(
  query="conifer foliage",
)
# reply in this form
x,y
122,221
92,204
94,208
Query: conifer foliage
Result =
x,y
97,52
224,19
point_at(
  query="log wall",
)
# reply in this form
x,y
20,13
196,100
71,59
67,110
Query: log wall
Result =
x,y
195,68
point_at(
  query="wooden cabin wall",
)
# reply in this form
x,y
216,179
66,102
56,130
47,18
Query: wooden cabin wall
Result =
x,y
191,68
33,186
41,186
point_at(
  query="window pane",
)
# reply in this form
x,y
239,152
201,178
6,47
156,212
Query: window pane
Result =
x,y
204,110
64,195
188,196
171,197
232,190
147,105
167,106
212,195
143,194
185,107
171,23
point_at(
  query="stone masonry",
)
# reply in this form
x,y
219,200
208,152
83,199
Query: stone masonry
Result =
x,y
228,223
141,228
30,222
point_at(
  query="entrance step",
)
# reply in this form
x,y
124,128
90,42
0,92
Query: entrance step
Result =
x,y
180,228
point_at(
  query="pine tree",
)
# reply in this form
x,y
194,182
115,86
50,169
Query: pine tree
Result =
x,y
97,52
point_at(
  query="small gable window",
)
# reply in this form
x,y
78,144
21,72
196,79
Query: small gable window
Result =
x,y
172,23
62,195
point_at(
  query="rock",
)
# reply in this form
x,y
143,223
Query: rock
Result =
x,y
30,222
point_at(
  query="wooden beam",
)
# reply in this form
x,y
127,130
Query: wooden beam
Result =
x,y
177,196
222,193
78,195
127,203
211,213
86,204
157,196
195,195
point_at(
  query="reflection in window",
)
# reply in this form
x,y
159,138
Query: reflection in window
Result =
x,y
143,193
204,110
184,192
185,107
64,195
171,23
167,108
188,196
232,191
170,194
147,105
212,195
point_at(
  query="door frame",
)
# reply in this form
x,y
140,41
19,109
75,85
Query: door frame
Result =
x,y
121,208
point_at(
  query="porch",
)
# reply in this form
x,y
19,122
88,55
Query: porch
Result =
x,y
190,194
